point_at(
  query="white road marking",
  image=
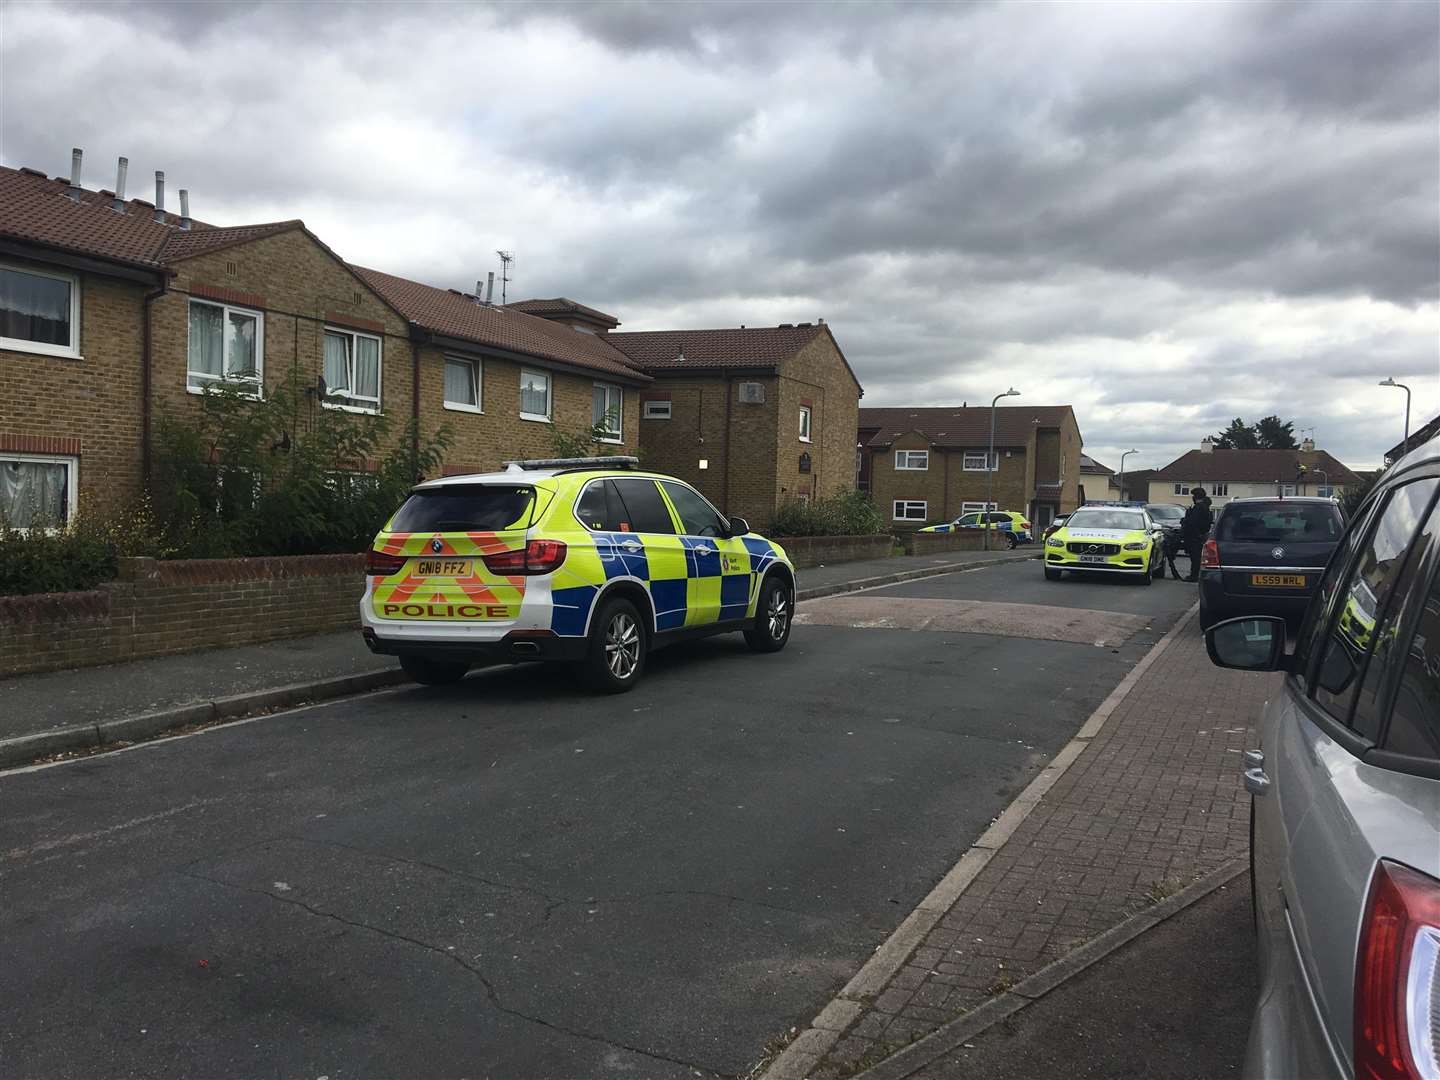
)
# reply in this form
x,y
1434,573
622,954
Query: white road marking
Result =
x,y
109,830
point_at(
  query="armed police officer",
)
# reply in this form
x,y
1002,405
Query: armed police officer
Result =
x,y
1195,527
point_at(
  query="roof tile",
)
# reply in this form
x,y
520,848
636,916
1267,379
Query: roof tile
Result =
x,y
658,351
1252,466
961,425
453,314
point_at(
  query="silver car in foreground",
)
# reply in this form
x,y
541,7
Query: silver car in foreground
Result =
x,y
1345,814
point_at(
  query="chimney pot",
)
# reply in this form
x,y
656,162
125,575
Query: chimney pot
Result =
x,y
159,196
120,170
489,288
76,158
184,208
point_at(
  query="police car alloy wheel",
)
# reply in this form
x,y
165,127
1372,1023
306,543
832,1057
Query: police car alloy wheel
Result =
x,y
618,646
773,617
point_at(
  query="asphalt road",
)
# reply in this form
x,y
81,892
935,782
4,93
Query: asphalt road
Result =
x,y
1175,1002
510,877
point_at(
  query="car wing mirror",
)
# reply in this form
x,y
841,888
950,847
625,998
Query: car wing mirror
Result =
x,y
739,526
1251,643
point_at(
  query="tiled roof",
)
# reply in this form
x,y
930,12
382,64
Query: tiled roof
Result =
x,y
563,305
1090,465
35,208
1252,466
746,347
453,314
188,244
963,426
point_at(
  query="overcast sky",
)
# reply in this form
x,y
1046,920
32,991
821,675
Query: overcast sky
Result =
x,y
1164,215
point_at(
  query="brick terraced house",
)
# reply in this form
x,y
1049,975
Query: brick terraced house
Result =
x,y
115,312
928,465
752,416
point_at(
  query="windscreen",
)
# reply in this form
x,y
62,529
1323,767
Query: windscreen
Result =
x,y
472,508
1105,519
1163,513
1272,522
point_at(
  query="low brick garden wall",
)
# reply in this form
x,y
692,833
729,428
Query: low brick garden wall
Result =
x,y
917,543
820,550
157,608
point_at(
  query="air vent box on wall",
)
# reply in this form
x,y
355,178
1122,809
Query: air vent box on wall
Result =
x,y
752,393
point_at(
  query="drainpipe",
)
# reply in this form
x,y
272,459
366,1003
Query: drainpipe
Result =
x,y
146,363
725,476
415,403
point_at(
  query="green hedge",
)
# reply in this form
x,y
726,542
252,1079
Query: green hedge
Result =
x,y
282,476
850,514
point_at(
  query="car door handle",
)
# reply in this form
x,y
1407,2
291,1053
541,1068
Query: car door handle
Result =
x,y
1256,782
631,545
704,550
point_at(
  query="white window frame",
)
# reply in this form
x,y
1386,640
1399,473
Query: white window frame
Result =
x,y
549,395
805,423
897,514
42,348
905,456
1220,491
222,379
347,404
72,482
1287,490
1183,489
478,368
618,435
977,508
656,410
965,462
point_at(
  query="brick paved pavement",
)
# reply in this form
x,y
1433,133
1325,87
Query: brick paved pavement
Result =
x,y
1153,802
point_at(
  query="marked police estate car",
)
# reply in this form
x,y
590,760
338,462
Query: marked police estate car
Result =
x,y
1014,527
581,560
1115,539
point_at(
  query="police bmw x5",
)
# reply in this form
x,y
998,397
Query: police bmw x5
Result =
x,y
581,560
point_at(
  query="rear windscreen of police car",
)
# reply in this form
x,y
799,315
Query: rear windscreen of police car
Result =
x,y
466,508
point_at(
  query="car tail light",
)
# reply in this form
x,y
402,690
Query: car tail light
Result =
x,y
536,557
1397,978
1025,526
379,564
1210,554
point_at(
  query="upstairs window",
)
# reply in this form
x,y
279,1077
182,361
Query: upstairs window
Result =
x,y
912,460
352,370
608,411
1219,490
804,423
39,311
975,461
227,348
534,396
462,384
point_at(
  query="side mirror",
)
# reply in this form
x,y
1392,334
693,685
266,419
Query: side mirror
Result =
x,y
739,526
1252,643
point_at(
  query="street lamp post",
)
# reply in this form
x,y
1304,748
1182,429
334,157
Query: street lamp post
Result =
x,y
990,463
1404,446
1123,456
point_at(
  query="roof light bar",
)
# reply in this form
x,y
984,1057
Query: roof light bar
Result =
x,y
612,462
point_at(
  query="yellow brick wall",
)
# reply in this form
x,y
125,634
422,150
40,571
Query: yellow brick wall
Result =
x,y
95,399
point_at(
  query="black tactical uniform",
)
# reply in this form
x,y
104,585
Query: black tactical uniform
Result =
x,y
1194,527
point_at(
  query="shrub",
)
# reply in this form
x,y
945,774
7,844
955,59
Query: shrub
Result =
x,y
77,556
849,514
282,476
